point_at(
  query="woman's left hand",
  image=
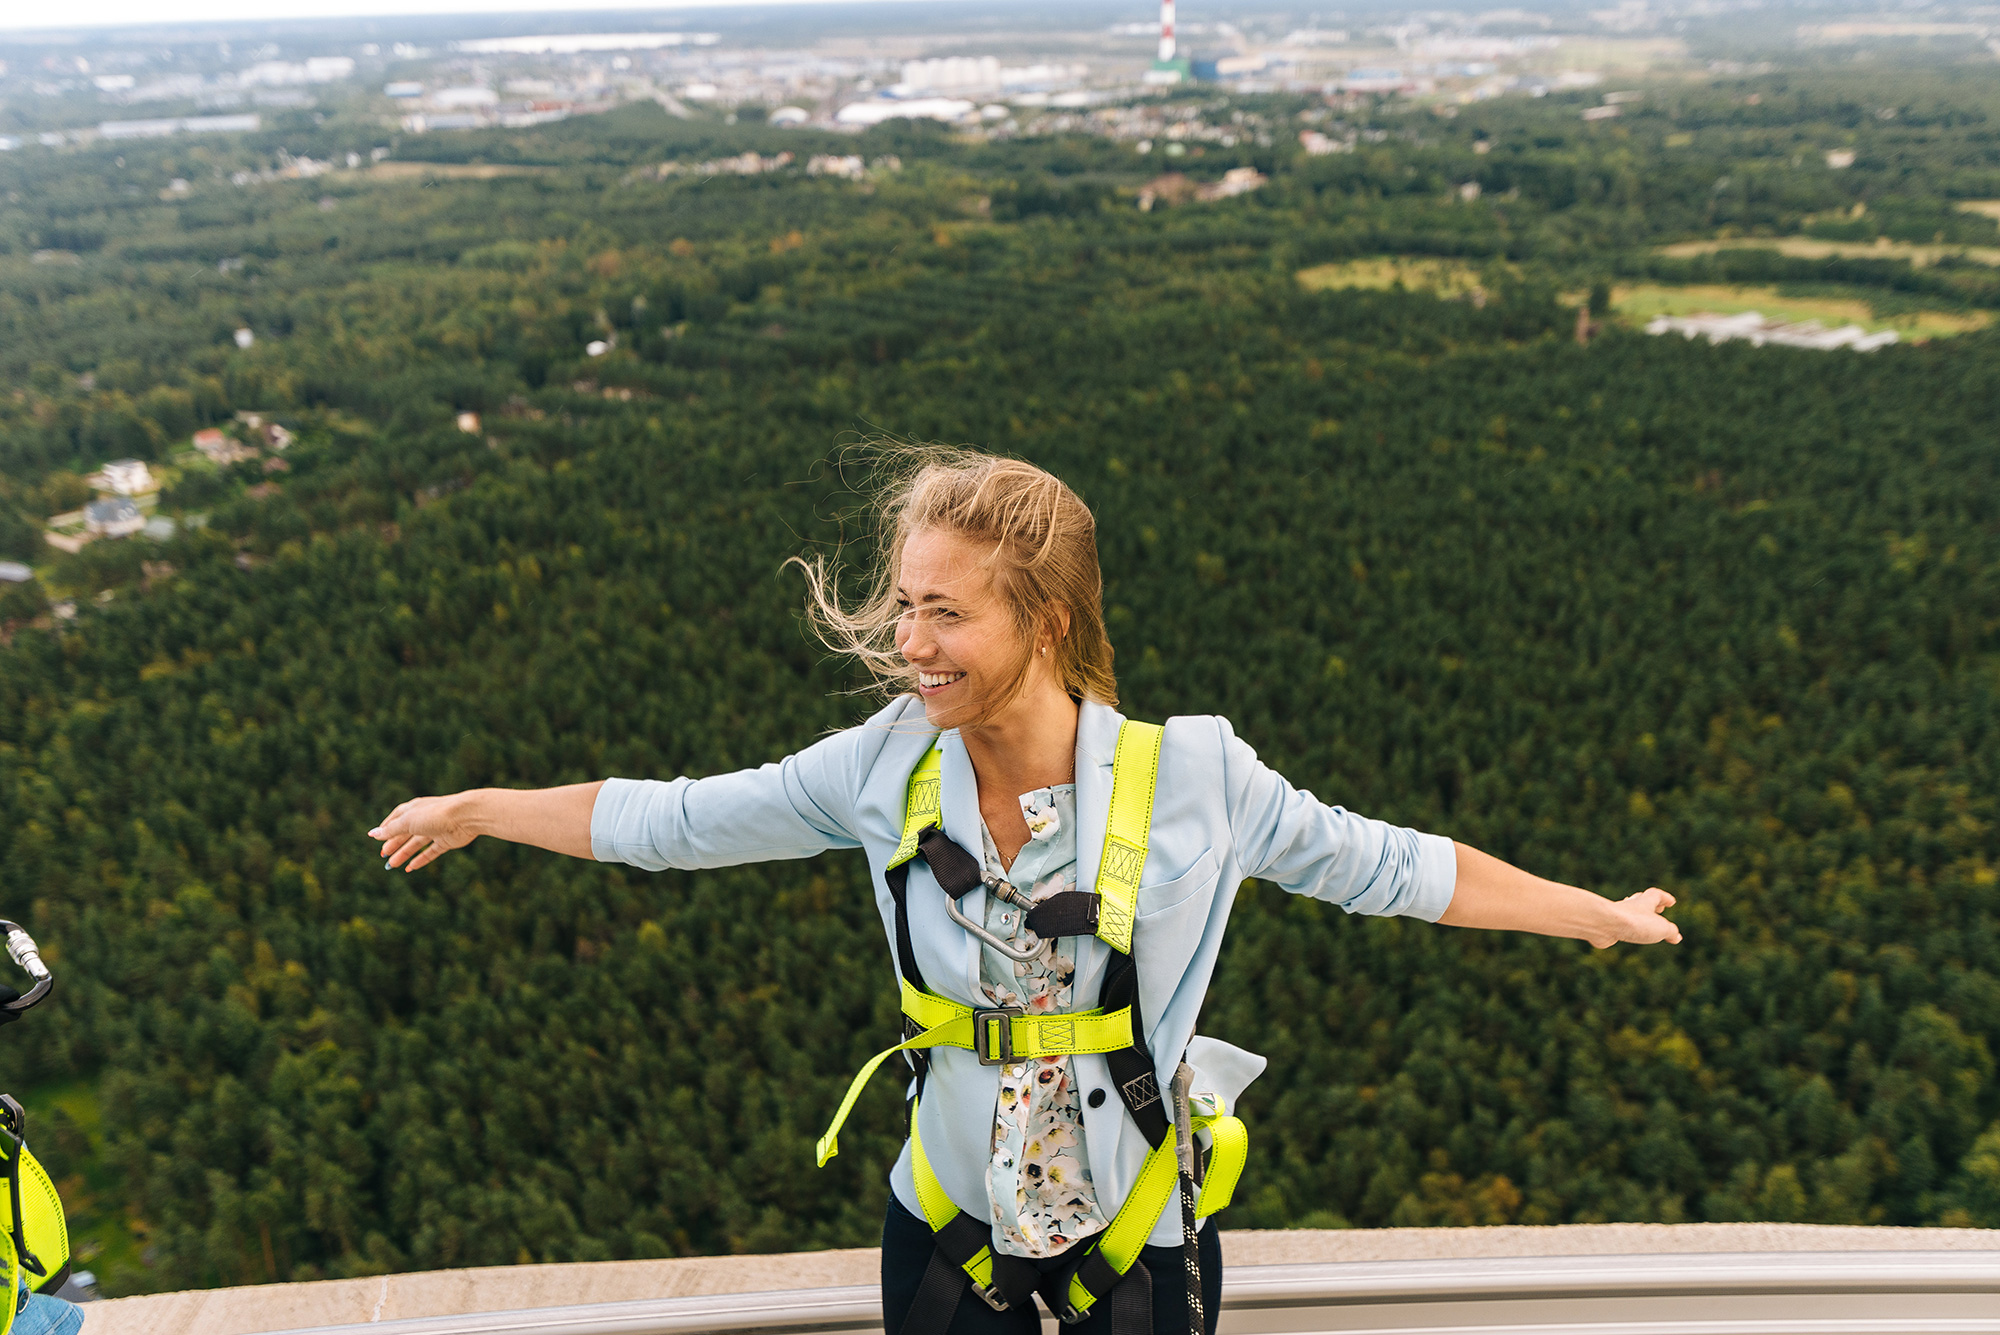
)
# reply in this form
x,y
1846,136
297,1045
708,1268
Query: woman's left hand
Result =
x,y
1640,920
1493,895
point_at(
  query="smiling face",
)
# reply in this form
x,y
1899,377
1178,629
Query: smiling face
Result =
x,y
957,630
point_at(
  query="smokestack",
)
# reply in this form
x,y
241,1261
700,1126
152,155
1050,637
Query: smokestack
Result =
x,y
1166,30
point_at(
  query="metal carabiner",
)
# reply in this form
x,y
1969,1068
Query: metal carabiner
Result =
x,y
22,950
1008,894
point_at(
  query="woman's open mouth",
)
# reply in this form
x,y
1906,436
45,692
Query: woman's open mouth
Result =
x,y
930,683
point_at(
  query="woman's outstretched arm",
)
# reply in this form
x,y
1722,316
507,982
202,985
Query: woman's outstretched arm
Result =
x,y
423,829
1492,894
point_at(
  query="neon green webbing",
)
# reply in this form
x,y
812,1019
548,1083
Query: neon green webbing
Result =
x,y
10,1274
829,1144
1151,1194
1154,1191
1228,1152
922,804
1033,1035
1135,773
939,1210
948,1024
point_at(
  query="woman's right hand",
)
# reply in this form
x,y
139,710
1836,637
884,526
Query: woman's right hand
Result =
x,y
423,829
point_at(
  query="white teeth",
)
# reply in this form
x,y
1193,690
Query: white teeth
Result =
x,y
938,678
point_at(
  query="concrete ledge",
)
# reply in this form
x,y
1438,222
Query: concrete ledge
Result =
x,y
441,1293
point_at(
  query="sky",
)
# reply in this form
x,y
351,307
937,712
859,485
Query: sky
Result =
x,y
16,15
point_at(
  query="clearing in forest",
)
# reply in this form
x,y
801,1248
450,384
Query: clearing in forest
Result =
x,y
1444,278
1641,303
1985,208
1812,248
449,171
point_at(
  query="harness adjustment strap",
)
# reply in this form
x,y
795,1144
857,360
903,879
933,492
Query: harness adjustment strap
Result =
x,y
958,873
994,1034
1066,913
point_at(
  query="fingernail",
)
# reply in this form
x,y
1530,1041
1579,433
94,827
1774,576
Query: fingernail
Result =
x,y
387,866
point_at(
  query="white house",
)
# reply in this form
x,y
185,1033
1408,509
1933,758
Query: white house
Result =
x,y
128,477
113,518
219,449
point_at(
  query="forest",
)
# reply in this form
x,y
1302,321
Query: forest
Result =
x,y
1633,611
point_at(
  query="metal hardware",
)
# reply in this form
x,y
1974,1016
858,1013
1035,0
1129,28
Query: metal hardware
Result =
x,y
1005,890
1008,949
980,1019
991,1296
1183,1087
21,948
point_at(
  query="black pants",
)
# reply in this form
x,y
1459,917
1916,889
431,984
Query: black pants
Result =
x,y
906,1250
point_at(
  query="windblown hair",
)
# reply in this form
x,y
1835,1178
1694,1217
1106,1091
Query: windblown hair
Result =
x,y
1041,548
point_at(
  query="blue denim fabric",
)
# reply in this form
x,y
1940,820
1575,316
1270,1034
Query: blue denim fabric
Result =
x,y
48,1316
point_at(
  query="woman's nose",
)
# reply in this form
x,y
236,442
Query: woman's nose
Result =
x,y
913,644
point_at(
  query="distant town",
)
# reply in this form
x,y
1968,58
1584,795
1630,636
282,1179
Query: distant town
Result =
x,y
987,85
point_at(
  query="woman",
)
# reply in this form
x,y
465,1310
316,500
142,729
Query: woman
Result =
x,y
1023,1174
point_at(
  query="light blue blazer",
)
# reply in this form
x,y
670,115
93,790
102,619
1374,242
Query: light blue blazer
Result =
x,y
1220,816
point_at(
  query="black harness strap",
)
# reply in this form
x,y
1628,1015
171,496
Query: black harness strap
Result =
x,y
1132,1301
945,1279
956,870
1132,1068
1066,913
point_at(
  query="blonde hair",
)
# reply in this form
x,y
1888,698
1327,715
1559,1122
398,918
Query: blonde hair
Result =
x,y
1041,545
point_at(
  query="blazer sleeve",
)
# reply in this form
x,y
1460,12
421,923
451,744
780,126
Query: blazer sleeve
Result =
x,y
794,808
1286,835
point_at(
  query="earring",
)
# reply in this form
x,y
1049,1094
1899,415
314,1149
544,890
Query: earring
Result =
x,y
1045,651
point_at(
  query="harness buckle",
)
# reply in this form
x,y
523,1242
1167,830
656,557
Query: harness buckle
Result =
x,y
983,1021
991,1296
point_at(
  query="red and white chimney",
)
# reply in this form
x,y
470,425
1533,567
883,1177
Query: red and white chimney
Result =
x,y
1166,30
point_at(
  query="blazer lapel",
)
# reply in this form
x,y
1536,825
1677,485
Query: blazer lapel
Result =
x,y
959,801
1096,747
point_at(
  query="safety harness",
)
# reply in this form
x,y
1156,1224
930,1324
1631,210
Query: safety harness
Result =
x,y
1107,1263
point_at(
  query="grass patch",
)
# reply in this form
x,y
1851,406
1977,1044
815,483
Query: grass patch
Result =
x,y
1812,248
1641,303
394,170
1443,278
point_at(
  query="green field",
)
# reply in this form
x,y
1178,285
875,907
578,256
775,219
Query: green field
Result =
x,y
1812,248
1442,278
1640,304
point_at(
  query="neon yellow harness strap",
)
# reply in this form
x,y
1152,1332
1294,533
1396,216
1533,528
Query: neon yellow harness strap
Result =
x,y
829,1144
1135,772
1135,775
1154,1192
1032,1035
939,1209
1150,1195
948,1024
1227,1153
922,804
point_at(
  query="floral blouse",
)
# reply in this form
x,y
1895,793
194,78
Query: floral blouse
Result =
x,y
1038,1179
